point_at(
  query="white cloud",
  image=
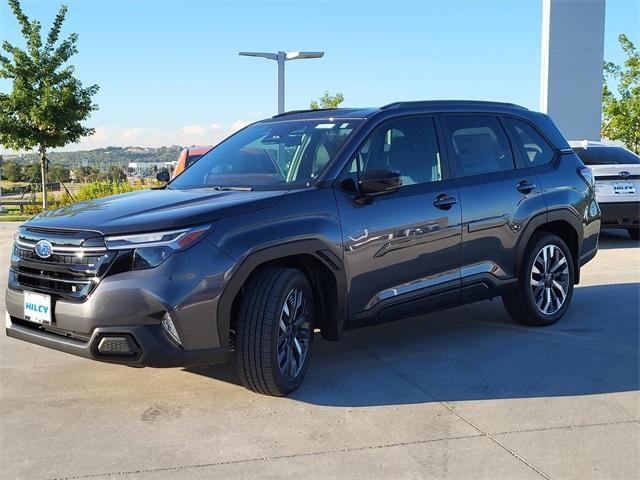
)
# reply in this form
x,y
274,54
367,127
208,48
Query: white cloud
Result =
x,y
238,124
193,134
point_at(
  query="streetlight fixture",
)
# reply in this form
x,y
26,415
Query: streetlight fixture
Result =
x,y
282,57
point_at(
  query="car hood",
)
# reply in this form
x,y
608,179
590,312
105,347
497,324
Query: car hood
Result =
x,y
148,210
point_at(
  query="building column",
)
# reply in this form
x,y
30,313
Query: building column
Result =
x,y
572,54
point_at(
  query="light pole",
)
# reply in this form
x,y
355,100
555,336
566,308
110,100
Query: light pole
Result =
x,y
282,57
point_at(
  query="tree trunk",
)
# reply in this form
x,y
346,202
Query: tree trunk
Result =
x,y
43,173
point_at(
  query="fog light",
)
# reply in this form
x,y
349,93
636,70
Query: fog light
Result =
x,y
170,328
114,346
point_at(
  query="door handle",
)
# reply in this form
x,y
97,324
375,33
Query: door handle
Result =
x,y
444,201
525,186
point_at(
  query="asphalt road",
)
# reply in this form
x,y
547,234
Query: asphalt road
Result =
x,y
457,394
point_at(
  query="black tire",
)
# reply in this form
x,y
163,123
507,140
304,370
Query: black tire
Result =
x,y
258,331
520,303
634,233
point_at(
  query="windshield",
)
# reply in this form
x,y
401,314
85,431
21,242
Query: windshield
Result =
x,y
269,155
607,156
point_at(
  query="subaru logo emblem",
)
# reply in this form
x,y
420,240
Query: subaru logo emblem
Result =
x,y
624,174
43,249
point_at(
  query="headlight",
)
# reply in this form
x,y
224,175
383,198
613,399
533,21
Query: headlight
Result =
x,y
151,249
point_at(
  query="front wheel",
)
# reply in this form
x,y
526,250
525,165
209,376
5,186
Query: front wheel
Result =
x,y
545,282
634,232
274,331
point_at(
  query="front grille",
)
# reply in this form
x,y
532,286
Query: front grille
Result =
x,y
51,282
29,254
77,263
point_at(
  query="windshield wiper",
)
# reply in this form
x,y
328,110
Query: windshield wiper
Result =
x,y
238,189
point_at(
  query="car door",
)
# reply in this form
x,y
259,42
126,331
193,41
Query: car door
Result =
x,y
496,198
401,249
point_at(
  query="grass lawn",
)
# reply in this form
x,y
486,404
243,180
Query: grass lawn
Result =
x,y
14,218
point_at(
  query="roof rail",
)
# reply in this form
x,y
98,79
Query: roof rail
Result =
x,y
462,103
306,110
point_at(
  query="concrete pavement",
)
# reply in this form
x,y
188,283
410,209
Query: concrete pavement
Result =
x,y
458,394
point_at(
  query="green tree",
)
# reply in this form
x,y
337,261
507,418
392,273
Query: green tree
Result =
x,y
31,173
327,101
12,171
116,173
59,173
621,110
47,103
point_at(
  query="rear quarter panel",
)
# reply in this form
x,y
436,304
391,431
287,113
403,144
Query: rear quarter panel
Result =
x,y
564,189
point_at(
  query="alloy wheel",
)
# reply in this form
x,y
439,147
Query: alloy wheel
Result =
x,y
294,334
549,279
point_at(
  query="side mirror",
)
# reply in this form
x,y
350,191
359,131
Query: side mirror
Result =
x,y
379,181
163,176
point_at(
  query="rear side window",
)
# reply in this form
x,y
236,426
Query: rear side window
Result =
x,y
479,144
607,156
535,149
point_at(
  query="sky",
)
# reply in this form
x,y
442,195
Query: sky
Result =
x,y
169,72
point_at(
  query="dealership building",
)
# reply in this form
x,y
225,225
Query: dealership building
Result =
x,y
572,54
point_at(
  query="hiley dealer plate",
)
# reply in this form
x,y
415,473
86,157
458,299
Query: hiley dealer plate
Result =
x,y
37,308
624,188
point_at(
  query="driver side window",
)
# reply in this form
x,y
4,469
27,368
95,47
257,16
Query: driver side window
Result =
x,y
408,146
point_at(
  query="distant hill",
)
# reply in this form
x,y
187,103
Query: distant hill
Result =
x,y
102,158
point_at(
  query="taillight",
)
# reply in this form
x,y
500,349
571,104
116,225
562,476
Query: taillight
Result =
x,y
587,175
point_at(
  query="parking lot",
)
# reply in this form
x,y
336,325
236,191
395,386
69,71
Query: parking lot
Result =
x,y
462,393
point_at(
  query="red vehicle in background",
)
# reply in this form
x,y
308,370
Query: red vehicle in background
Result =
x,y
188,156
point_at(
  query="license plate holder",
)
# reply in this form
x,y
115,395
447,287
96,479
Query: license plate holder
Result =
x,y
37,308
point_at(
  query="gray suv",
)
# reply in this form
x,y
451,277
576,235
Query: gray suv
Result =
x,y
312,221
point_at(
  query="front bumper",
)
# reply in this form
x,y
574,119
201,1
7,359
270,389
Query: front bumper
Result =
x,y
152,348
132,304
620,214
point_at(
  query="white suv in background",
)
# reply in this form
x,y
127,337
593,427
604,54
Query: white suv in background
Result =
x,y
617,176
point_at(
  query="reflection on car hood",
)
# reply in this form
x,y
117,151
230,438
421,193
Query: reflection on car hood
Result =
x,y
149,210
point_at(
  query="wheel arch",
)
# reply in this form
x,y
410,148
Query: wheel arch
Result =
x,y
322,267
561,222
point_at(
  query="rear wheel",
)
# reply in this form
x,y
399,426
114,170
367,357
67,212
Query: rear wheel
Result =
x,y
634,233
274,331
545,282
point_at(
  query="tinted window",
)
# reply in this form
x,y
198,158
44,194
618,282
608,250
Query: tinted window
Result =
x,y
269,155
607,156
408,146
479,144
536,151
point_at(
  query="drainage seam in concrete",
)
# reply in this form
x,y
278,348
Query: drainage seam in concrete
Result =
x,y
345,450
566,427
268,458
459,415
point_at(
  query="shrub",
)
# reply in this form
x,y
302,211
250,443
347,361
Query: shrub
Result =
x,y
89,191
103,189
